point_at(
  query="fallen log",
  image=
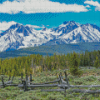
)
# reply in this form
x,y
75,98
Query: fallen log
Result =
x,y
44,85
20,85
9,84
63,82
51,90
73,86
85,91
59,85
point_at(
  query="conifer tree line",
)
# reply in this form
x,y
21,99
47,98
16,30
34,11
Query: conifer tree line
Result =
x,y
38,63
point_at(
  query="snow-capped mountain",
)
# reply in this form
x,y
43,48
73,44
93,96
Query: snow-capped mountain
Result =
x,y
21,36
71,32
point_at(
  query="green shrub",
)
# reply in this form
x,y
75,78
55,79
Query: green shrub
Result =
x,y
74,65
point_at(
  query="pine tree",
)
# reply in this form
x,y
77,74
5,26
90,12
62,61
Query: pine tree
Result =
x,y
0,65
82,59
96,63
74,64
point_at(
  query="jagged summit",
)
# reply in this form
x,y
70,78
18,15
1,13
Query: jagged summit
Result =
x,y
66,27
44,29
15,26
66,22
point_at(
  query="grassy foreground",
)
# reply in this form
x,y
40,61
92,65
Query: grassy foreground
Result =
x,y
89,77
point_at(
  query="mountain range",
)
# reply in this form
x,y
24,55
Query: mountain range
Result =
x,y
69,32
51,49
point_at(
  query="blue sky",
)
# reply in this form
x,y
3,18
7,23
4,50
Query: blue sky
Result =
x,y
49,12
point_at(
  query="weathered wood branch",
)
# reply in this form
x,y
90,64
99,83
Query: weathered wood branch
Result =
x,y
73,86
44,85
63,82
51,90
66,78
9,84
85,91
25,85
12,78
3,82
58,85
75,90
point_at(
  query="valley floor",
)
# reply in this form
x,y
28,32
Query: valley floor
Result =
x,y
89,77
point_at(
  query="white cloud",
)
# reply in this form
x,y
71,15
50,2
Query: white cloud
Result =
x,y
39,6
94,3
5,25
87,6
0,31
20,0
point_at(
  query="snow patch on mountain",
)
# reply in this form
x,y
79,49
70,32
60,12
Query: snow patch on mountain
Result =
x,y
21,36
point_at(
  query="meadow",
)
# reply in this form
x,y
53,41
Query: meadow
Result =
x,y
88,77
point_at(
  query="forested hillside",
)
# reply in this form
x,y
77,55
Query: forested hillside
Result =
x,y
39,63
50,50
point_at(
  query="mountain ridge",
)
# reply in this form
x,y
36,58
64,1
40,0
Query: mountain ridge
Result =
x,y
21,36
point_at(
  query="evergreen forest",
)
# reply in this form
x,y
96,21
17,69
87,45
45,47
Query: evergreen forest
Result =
x,y
38,63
